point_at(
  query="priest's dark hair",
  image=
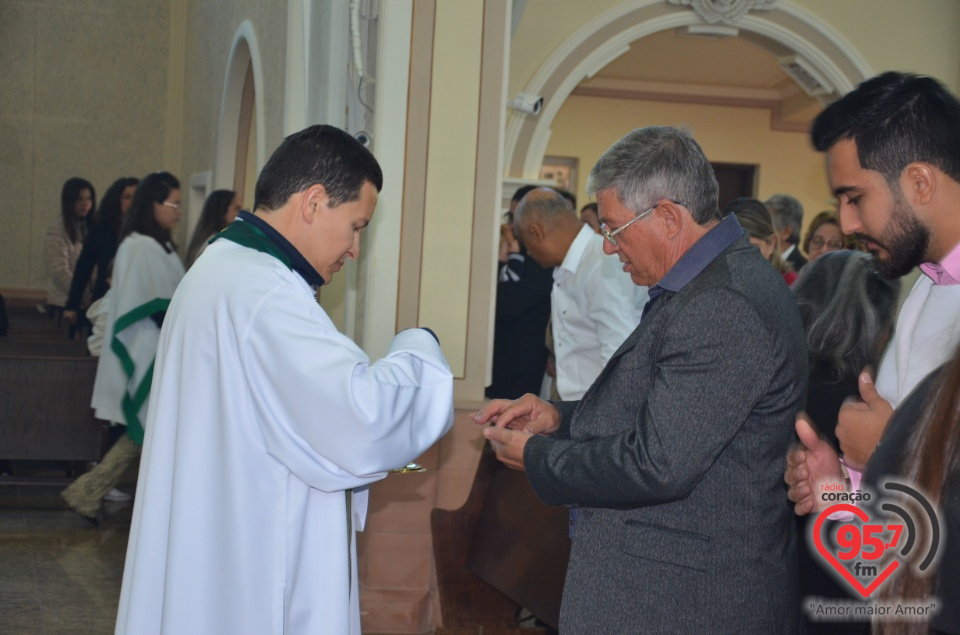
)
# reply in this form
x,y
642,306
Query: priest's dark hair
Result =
x,y
154,188
895,119
316,155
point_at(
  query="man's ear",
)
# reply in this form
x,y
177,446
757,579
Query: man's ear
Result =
x,y
919,183
313,200
673,218
534,231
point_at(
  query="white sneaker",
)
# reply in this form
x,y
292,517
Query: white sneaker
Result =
x,y
116,496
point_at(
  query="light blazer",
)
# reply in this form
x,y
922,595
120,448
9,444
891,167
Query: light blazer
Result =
x,y
676,457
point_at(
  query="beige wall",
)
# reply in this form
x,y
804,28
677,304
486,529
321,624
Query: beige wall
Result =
x,y
587,126
919,36
83,93
104,88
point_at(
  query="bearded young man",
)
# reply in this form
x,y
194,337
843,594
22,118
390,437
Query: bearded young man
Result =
x,y
893,160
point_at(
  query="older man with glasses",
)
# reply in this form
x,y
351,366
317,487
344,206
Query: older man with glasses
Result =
x,y
672,459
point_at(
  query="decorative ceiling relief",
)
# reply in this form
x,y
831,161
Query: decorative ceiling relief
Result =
x,y
725,11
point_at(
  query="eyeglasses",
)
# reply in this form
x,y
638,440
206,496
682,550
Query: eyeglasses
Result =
x,y
169,204
817,242
609,235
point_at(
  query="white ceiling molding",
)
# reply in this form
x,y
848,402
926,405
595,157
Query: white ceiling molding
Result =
x,y
725,11
837,63
712,30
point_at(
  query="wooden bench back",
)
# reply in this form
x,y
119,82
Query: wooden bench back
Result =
x,y
45,409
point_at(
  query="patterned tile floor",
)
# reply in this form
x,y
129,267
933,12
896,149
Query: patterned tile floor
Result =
x,y
58,574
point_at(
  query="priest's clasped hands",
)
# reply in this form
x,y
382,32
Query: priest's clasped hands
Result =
x,y
512,423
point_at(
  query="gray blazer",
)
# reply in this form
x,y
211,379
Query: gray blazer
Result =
x,y
675,457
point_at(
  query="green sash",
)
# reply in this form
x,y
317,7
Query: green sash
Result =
x,y
131,404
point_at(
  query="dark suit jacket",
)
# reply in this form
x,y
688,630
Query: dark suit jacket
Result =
x,y
796,259
676,455
519,348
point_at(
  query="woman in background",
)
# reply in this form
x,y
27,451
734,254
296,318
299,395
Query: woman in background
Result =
x,y
101,244
824,236
755,219
219,210
848,312
146,272
64,240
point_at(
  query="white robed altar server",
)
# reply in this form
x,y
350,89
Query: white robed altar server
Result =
x,y
265,424
146,277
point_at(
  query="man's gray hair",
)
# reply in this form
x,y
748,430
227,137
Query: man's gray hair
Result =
x,y
654,163
546,209
786,212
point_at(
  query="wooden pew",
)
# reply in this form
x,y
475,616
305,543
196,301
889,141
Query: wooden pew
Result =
x,y
502,550
43,348
26,322
45,409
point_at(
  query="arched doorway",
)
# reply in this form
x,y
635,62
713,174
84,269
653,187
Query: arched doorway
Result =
x,y
240,138
776,25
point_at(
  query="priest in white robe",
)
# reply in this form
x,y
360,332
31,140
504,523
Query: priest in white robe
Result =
x,y
265,424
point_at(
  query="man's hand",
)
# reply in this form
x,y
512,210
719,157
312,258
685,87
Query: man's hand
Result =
x,y
509,445
861,424
808,466
508,243
528,413
70,317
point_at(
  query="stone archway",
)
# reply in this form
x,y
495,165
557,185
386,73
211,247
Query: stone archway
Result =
x,y
777,25
241,108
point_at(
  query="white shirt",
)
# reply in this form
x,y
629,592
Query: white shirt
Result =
x,y
262,416
925,337
594,307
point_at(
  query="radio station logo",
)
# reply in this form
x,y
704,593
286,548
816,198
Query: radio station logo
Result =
x,y
868,544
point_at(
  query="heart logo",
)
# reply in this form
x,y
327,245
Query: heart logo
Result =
x,y
865,591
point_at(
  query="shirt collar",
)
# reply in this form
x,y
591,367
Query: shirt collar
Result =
x,y
296,260
947,271
700,254
577,248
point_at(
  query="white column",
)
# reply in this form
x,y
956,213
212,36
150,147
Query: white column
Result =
x,y
389,139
